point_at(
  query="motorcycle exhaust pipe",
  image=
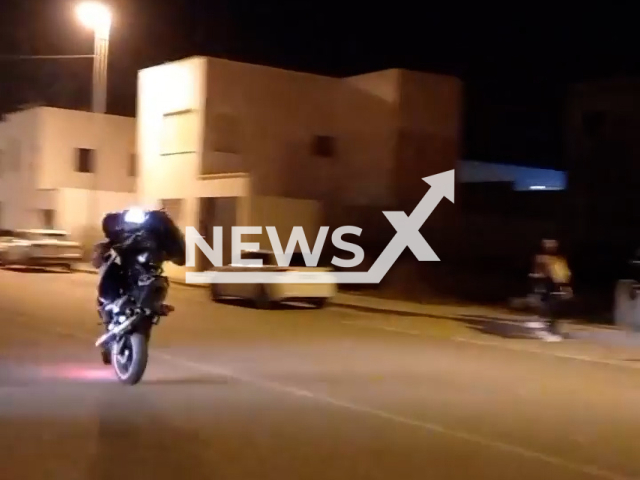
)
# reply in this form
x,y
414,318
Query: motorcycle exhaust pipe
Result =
x,y
115,332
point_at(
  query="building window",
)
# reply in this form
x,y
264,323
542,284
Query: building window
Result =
x,y
323,146
225,133
179,133
85,160
133,165
48,218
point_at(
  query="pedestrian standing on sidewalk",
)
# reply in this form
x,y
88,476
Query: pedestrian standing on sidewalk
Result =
x,y
552,285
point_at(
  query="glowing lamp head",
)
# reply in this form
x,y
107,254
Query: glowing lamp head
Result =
x,y
96,16
135,215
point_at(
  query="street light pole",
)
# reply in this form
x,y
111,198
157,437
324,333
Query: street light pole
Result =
x,y
97,17
100,58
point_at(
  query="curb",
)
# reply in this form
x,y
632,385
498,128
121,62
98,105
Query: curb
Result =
x,y
378,310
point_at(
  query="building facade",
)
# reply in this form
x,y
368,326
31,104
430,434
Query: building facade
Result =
x,y
603,156
216,129
64,169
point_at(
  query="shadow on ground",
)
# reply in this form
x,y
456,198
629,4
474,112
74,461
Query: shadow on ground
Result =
x,y
36,270
501,327
513,326
246,303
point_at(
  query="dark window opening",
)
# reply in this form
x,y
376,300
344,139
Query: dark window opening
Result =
x,y
133,165
48,218
226,135
84,160
323,146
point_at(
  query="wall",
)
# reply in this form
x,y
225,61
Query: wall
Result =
x,y
72,207
367,120
112,137
271,117
429,140
277,113
602,154
248,130
262,121
170,106
284,214
21,146
169,160
171,139
47,139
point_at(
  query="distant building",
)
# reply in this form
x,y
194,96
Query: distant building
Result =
x,y
212,128
64,168
521,178
603,156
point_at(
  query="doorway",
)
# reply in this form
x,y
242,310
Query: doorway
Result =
x,y
217,212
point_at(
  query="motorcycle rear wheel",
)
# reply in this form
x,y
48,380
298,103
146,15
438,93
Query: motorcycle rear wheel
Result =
x,y
135,351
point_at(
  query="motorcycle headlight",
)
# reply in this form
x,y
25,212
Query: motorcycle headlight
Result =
x,y
135,215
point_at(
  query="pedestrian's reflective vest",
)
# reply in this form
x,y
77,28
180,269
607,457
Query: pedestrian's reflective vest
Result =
x,y
558,269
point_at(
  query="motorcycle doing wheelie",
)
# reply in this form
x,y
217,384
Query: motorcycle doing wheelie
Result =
x,y
132,287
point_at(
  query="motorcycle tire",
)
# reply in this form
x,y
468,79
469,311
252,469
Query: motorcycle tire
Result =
x,y
139,347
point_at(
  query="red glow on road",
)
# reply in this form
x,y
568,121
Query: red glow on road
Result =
x,y
78,372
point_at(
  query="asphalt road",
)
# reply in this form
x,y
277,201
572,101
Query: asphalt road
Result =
x,y
240,394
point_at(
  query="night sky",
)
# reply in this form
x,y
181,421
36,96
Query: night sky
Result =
x,y
516,62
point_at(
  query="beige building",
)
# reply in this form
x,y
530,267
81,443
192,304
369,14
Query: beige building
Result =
x,y
63,169
215,136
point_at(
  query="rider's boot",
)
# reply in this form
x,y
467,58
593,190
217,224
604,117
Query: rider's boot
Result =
x,y
166,309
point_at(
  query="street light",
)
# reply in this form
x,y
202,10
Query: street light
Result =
x,y
97,17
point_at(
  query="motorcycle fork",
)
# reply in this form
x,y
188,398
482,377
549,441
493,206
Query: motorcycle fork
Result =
x,y
119,345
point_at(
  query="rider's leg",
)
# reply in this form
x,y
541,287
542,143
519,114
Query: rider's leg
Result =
x,y
552,319
110,284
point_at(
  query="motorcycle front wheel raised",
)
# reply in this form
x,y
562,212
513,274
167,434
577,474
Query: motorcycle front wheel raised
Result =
x,y
129,357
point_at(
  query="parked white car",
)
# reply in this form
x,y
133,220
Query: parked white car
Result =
x,y
268,295
39,248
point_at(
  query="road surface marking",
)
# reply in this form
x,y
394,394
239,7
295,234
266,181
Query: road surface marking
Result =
x,y
469,437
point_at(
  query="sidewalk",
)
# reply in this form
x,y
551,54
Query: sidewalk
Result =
x,y
501,322
367,303
497,321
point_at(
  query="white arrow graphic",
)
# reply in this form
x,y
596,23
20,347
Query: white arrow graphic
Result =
x,y
407,236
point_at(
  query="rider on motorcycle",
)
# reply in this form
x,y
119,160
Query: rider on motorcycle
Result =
x,y
132,233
